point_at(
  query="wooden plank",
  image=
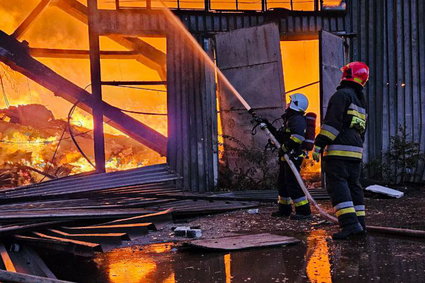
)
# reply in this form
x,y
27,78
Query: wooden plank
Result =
x,y
6,276
242,242
7,261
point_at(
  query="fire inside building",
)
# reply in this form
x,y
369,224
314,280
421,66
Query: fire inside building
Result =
x,y
137,98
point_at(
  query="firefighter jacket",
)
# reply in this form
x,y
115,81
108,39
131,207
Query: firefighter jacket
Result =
x,y
344,126
292,133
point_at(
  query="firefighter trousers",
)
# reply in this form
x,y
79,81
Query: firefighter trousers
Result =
x,y
289,189
345,190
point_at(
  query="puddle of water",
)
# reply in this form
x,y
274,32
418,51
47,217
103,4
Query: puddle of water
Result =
x,y
318,265
314,260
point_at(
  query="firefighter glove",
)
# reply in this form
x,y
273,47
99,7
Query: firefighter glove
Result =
x,y
316,153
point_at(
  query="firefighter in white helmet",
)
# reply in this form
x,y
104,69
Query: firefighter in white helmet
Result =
x,y
291,136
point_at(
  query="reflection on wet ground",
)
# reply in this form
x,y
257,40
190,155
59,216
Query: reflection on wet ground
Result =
x,y
316,259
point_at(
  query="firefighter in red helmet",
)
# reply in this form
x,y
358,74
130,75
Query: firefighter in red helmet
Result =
x,y
341,142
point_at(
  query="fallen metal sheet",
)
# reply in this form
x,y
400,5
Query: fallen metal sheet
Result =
x,y
267,195
133,230
185,208
85,203
95,182
101,238
88,245
23,227
385,191
6,276
59,245
22,215
155,218
27,261
242,242
5,258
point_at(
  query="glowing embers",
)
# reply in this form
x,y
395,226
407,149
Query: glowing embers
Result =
x,y
147,264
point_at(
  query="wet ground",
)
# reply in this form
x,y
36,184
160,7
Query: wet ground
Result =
x,y
317,258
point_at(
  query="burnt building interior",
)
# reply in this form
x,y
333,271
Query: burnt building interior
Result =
x,y
116,109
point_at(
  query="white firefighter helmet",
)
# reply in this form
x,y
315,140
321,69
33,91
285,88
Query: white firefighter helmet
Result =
x,y
299,102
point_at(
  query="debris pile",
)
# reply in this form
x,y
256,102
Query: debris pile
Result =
x,y
35,146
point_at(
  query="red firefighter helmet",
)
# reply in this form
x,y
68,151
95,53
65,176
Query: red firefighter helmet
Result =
x,y
357,72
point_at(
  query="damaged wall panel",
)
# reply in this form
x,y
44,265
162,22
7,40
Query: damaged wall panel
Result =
x,y
192,122
251,60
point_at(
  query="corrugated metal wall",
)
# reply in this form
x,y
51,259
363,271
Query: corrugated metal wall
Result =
x,y
391,39
204,23
389,35
192,119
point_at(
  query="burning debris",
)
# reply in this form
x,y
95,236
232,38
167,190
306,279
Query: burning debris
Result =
x,y
36,146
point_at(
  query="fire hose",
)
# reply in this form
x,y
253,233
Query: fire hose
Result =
x,y
263,126
294,170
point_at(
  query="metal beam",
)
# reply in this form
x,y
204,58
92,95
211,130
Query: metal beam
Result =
x,y
15,55
23,27
149,55
117,83
81,54
96,86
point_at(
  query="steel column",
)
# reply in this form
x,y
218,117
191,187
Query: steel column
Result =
x,y
99,138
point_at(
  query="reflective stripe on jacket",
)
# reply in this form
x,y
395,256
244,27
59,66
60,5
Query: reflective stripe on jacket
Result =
x,y
292,134
342,132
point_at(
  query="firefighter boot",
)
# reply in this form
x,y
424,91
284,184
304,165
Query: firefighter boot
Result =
x,y
354,230
362,222
302,212
284,210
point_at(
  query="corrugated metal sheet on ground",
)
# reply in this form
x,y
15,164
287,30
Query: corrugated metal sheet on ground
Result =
x,y
95,182
269,195
202,207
